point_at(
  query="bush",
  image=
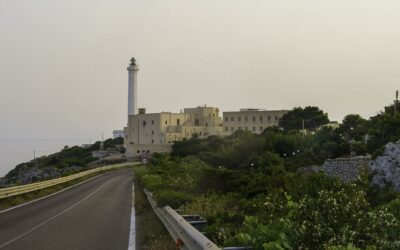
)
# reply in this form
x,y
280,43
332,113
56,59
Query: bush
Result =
x,y
171,198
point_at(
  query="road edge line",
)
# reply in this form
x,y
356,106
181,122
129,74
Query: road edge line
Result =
x,y
132,231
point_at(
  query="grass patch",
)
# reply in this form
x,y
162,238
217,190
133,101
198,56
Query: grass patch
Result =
x,y
151,233
12,201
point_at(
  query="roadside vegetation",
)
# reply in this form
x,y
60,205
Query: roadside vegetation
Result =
x,y
248,187
150,233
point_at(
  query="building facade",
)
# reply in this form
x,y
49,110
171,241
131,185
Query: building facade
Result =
x,y
254,120
150,133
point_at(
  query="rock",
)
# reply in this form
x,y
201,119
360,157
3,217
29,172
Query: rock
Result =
x,y
69,170
387,166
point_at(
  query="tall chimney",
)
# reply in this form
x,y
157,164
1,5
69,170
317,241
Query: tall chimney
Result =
x,y
132,87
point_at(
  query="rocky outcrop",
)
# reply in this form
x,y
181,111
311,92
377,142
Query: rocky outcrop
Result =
x,y
386,167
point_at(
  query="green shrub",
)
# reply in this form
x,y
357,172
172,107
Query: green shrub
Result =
x,y
172,198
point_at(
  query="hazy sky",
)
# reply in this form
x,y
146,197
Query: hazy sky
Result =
x,y
63,63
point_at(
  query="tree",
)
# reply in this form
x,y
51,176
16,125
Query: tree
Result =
x,y
354,127
313,118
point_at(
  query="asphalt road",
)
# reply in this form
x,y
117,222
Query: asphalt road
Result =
x,y
93,215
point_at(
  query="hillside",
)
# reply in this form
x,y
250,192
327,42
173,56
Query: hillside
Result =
x,y
68,161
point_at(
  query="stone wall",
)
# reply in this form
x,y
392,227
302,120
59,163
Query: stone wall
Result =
x,y
346,169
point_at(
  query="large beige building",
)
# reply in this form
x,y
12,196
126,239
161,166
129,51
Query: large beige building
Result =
x,y
254,120
149,133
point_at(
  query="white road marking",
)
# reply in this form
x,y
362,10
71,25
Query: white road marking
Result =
x,y
132,232
52,218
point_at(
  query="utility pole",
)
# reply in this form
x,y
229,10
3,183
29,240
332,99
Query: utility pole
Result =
x,y
396,101
304,132
34,157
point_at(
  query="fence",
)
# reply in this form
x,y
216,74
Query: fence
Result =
x,y
22,189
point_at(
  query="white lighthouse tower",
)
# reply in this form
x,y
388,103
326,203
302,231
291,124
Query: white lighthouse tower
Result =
x,y
132,87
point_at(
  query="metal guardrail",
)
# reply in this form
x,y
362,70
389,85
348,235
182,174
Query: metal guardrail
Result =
x,y
22,189
184,234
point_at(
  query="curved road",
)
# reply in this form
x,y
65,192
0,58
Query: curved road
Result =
x,y
93,215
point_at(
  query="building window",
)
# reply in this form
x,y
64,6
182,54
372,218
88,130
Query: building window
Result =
x,y
261,128
197,122
144,123
178,122
166,122
239,128
261,118
226,119
254,118
232,128
232,119
152,132
254,128
206,124
239,118
152,122
152,141
226,128
245,119
269,118
276,118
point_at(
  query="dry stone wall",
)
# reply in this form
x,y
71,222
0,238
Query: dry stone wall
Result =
x,y
346,169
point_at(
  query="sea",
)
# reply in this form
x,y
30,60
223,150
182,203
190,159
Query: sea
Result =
x,y
16,151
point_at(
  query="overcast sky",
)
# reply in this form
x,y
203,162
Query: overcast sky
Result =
x,y
63,63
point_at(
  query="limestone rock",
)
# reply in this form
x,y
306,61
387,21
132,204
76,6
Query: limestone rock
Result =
x,y
387,166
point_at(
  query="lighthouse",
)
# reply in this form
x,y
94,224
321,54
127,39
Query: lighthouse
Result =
x,y
132,87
